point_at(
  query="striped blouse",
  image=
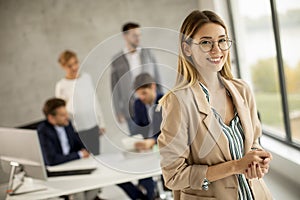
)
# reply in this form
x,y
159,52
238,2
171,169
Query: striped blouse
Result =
x,y
235,136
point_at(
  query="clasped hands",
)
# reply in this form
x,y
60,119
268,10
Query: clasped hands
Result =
x,y
255,164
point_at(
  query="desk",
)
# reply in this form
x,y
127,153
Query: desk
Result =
x,y
111,169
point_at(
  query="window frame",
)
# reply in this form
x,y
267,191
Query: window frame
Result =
x,y
281,74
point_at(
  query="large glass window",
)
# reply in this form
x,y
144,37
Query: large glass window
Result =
x,y
289,26
260,61
258,64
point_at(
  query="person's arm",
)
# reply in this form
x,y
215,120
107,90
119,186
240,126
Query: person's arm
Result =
x,y
139,115
78,144
174,148
138,126
58,90
56,159
219,171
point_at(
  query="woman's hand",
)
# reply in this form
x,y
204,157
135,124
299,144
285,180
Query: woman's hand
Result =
x,y
265,165
258,169
254,171
260,157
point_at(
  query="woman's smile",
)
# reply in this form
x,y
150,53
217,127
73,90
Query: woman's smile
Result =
x,y
215,60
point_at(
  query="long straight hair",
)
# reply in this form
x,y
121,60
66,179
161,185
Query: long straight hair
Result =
x,y
187,74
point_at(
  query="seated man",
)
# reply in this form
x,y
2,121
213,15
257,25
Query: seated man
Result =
x,y
147,123
59,142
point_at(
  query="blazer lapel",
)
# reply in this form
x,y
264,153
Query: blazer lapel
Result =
x,y
70,136
212,125
243,112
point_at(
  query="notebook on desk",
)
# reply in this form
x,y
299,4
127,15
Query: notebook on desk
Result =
x,y
76,167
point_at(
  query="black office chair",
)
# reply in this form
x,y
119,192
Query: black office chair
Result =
x,y
31,125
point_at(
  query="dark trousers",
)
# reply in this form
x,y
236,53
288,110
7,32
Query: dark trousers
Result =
x,y
90,139
134,193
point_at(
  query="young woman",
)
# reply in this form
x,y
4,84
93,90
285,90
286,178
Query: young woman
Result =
x,y
209,135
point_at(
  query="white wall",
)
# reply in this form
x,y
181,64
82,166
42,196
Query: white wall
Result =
x,y
34,32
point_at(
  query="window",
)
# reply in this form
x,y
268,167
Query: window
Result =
x,y
260,66
289,26
258,60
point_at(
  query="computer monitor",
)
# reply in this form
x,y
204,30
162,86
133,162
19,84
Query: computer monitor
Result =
x,y
21,146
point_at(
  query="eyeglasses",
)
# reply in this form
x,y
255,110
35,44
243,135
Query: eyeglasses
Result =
x,y
207,45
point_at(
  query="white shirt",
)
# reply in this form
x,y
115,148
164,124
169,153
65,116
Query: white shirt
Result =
x,y
63,139
134,60
82,104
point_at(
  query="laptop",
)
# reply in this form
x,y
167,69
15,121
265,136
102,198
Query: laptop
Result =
x,y
75,167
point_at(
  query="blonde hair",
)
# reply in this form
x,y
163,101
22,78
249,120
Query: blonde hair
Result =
x,y
187,74
65,56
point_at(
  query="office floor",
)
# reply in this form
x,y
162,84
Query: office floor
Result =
x,y
280,187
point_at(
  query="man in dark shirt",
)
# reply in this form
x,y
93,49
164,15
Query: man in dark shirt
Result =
x,y
147,123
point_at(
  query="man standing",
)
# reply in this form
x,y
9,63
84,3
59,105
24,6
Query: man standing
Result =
x,y
126,66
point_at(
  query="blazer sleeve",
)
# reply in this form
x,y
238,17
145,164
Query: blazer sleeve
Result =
x,y
178,172
58,90
77,142
51,153
140,113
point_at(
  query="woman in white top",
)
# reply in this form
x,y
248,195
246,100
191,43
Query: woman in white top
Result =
x,y
82,103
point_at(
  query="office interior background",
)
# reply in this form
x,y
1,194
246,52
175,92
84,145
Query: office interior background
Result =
x,y
265,34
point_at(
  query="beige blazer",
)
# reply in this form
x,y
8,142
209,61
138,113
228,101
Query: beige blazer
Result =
x,y
191,140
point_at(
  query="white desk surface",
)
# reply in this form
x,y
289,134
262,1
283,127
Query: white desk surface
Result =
x,y
111,169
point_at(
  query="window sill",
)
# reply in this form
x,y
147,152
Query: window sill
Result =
x,y
286,159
